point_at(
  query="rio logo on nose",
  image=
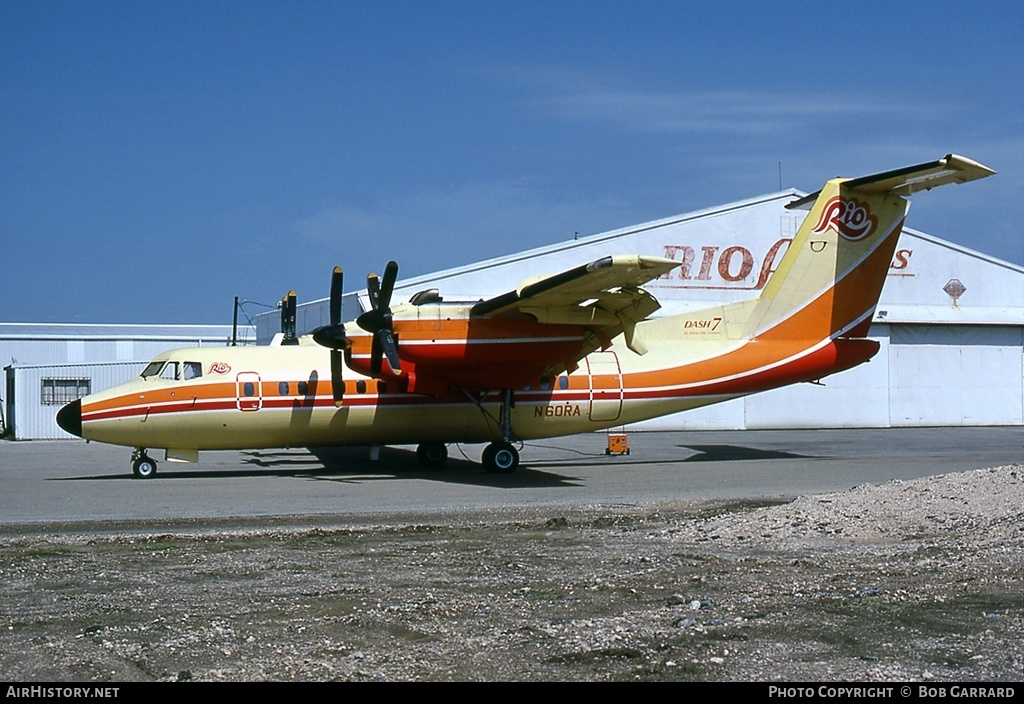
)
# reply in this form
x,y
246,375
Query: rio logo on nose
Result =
x,y
851,218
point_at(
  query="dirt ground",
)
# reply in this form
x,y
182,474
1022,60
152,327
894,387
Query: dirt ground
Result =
x,y
909,581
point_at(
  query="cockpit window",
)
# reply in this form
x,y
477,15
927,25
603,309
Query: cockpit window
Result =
x,y
152,369
173,371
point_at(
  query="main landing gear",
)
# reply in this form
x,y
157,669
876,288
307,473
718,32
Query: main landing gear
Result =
x,y
497,458
143,466
432,454
500,458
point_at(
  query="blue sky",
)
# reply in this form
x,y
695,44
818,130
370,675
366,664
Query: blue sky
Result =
x,y
159,158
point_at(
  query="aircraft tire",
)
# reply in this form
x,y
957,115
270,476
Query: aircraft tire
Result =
x,y
432,454
500,458
144,468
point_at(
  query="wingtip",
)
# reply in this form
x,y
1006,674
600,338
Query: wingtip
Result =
x,y
970,166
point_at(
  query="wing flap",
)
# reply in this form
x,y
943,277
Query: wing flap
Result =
x,y
604,295
602,280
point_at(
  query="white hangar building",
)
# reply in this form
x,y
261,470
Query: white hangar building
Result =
x,y
950,321
47,365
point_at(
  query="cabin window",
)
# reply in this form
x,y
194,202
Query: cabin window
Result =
x,y
283,388
192,370
57,392
563,382
249,389
361,386
545,383
303,388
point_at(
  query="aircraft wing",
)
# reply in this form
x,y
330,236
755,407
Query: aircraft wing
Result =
x,y
604,294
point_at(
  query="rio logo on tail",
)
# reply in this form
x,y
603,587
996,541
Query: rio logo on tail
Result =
x,y
850,217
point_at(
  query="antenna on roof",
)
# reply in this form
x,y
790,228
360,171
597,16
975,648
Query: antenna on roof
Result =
x,y
234,325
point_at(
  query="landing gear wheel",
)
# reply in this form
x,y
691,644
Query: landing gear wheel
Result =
x,y
432,454
144,467
500,458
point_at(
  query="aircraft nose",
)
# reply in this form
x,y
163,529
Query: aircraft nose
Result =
x,y
69,418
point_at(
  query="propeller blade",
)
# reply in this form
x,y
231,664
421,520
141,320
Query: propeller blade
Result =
x,y
288,307
388,284
337,377
375,357
390,349
373,288
337,289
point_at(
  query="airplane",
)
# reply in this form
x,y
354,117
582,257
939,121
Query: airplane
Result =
x,y
569,353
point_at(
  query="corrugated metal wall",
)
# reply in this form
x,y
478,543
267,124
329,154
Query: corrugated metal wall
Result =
x,y
956,375
105,354
30,417
923,375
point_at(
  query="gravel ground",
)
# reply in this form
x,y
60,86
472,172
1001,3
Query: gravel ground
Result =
x,y
909,581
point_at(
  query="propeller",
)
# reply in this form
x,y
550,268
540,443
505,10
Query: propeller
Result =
x,y
378,320
333,337
288,307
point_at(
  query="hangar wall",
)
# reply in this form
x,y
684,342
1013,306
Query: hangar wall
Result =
x,y
47,365
36,392
950,320
922,376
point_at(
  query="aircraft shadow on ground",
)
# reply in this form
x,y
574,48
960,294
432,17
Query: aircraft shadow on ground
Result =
x,y
353,464
735,453
690,454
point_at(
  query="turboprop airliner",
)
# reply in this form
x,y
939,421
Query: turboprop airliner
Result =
x,y
573,352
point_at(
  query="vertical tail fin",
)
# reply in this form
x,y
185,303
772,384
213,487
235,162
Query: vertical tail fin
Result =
x,y
828,283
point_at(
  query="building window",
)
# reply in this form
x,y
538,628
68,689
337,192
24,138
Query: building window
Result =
x,y
57,392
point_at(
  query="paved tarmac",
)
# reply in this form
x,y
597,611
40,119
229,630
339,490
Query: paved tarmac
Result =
x,y
72,481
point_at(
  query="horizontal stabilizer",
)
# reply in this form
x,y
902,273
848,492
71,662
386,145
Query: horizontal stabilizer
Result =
x,y
911,179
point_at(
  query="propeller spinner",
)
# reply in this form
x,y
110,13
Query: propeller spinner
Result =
x,y
379,321
333,337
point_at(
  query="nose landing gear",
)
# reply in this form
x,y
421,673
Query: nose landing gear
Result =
x,y
143,466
